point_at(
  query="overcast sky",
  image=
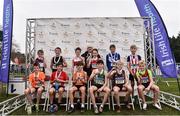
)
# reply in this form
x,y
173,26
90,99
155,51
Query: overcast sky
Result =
x,y
86,8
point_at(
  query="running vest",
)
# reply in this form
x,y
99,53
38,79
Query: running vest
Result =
x,y
145,77
55,61
119,79
94,63
41,64
36,80
76,60
113,58
99,79
134,63
79,76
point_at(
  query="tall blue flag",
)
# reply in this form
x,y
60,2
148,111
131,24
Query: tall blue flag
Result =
x,y
7,40
163,53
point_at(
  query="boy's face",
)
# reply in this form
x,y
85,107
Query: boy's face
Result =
x,y
112,49
141,67
89,49
119,66
40,54
59,67
78,52
57,51
100,66
94,53
36,68
133,50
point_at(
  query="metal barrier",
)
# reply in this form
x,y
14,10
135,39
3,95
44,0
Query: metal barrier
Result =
x,y
12,104
168,99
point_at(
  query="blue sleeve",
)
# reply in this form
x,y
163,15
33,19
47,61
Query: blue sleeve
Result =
x,y
139,57
119,57
128,59
108,63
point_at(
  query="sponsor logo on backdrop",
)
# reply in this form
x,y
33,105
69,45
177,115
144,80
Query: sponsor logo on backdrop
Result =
x,y
113,25
65,34
102,41
136,33
52,49
125,41
114,33
77,25
137,25
114,41
137,40
90,41
65,25
125,26
53,26
53,33
77,42
40,25
102,33
101,25
40,35
89,34
89,25
41,42
102,50
53,42
125,33
65,50
66,41
125,49
77,33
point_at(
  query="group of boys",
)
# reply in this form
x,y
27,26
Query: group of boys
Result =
x,y
98,77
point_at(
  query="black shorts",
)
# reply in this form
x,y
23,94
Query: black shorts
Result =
x,y
97,85
131,78
36,89
145,84
120,86
79,86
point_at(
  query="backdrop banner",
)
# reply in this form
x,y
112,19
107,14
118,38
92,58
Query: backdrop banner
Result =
x,y
100,33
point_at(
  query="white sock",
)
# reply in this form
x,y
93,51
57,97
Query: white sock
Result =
x,y
82,105
72,105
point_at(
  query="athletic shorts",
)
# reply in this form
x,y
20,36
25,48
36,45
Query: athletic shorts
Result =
x,y
57,87
97,85
145,84
120,86
79,86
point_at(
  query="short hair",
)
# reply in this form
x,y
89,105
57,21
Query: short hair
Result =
x,y
112,46
95,50
60,63
40,51
133,46
120,62
36,64
80,63
142,62
58,48
78,48
100,62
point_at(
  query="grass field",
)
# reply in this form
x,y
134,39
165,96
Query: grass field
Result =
x,y
172,88
151,111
